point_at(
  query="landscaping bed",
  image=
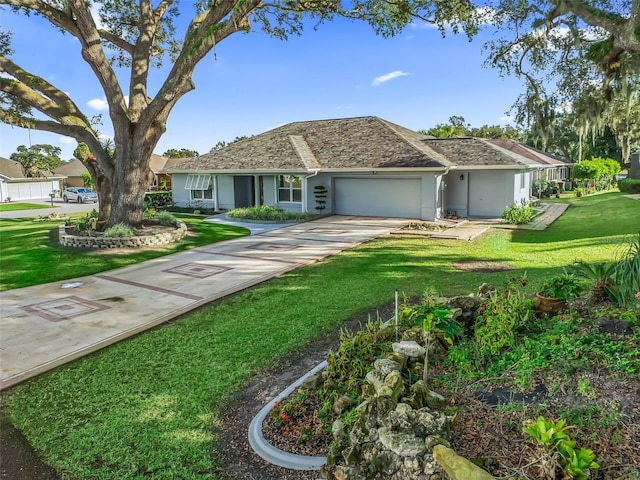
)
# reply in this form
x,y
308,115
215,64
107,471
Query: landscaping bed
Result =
x,y
571,367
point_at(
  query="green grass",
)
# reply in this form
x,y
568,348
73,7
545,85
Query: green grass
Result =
x,y
149,407
30,253
10,207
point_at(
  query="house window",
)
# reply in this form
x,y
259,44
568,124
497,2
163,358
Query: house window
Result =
x,y
200,185
289,188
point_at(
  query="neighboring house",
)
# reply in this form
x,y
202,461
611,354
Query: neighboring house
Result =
x,y
161,179
15,186
73,171
368,165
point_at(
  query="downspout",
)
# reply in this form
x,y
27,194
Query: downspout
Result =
x,y
304,190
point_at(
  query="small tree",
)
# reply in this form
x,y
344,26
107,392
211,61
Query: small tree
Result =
x,y
180,153
320,192
87,180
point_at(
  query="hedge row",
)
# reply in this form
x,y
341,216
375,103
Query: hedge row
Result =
x,y
629,185
158,199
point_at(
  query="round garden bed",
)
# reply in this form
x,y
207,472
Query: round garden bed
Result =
x,y
150,234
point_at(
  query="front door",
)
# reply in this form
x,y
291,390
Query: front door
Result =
x,y
243,191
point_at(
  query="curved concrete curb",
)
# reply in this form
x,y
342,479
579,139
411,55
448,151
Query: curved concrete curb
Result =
x,y
272,454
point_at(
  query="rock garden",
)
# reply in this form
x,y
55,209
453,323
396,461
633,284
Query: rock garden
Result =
x,y
478,386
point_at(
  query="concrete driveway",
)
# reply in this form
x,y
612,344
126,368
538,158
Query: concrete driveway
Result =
x,y
48,325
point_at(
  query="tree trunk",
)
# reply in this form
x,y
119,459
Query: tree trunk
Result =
x,y
131,178
103,188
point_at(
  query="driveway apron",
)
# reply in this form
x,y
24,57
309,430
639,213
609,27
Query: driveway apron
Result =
x,y
48,325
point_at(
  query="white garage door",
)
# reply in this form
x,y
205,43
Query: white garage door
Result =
x,y
488,193
378,197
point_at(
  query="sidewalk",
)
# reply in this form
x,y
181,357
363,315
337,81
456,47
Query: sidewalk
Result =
x,y
48,325
551,212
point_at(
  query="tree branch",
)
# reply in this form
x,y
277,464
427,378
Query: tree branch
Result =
x,y
94,55
60,18
590,14
204,32
60,101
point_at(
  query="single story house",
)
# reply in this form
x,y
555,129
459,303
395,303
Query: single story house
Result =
x,y
367,166
73,171
16,186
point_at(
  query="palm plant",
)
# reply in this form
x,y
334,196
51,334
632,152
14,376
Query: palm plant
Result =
x,y
602,276
627,271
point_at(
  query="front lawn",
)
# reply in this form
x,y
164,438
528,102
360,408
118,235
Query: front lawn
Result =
x,y
148,407
11,207
30,253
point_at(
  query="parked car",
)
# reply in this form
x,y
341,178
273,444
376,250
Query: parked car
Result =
x,y
79,194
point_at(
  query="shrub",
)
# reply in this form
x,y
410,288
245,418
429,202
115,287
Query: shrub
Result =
x,y
629,185
266,213
596,169
500,318
165,218
87,223
565,287
158,199
518,214
119,230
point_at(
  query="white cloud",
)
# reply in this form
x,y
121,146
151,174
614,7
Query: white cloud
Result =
x,y
506,119
389,76
67,140
488,16
98,104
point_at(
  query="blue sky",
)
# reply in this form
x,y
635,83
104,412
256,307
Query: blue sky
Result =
x,y
253,83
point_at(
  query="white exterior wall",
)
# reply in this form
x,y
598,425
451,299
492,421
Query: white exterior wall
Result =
x,y
269,190
490,192
521,187
180,196
320,179
456,194
226,198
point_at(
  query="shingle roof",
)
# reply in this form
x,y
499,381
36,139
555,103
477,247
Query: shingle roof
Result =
x,y
73,168
471,152
10,169
350,143
14,171
532,153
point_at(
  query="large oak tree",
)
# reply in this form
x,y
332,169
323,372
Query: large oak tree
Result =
x,y
136,34
571,54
